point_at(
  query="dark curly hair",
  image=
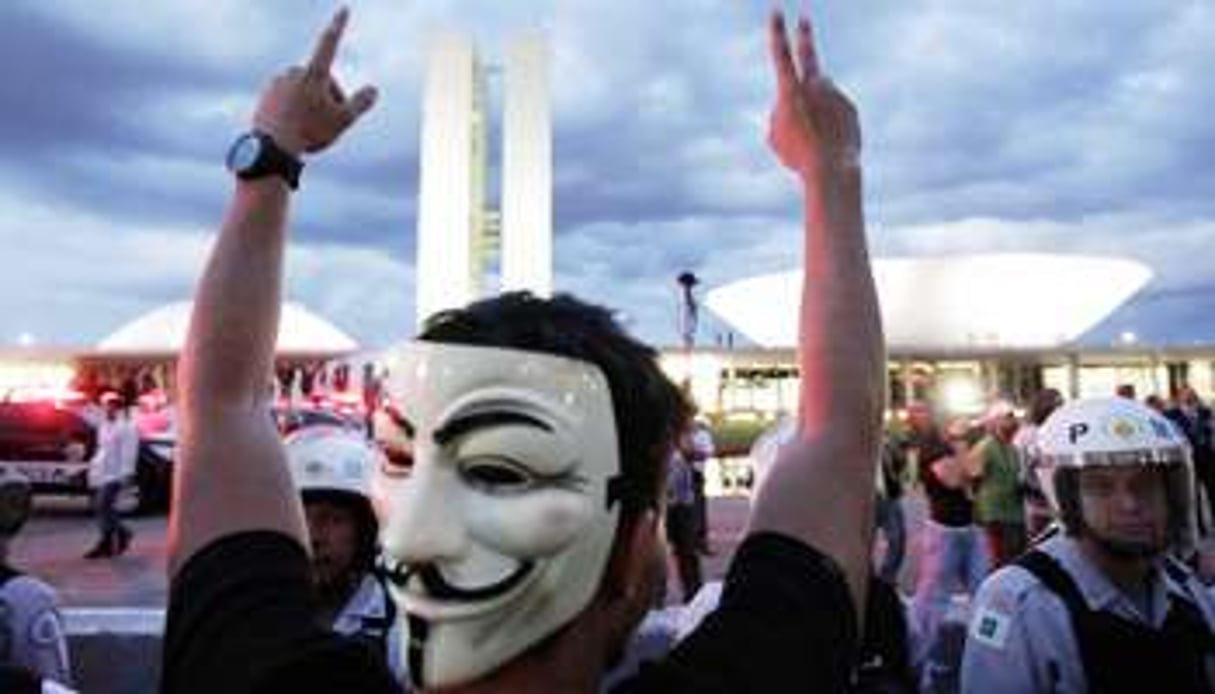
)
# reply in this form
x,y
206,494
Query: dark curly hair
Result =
x,y
650,411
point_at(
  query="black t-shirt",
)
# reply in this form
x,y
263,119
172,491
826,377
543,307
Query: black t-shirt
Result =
x,y
785,623
947,506
240,620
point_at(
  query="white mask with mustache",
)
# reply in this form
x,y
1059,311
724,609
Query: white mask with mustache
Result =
x,y
494,502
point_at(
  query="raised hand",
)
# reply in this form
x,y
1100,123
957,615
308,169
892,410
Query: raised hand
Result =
x,y
813,128
304,109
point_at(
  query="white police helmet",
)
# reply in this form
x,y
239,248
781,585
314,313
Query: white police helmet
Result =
x,y
1114,432
330,459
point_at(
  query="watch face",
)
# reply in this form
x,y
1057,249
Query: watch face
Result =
x,y
244,153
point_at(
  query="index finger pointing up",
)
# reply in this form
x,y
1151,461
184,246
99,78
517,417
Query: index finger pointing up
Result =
x,y
327,44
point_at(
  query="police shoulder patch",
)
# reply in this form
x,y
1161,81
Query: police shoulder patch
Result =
x,y
990,627
45,629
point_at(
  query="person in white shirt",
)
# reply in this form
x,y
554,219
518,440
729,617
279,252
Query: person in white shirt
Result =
x,y
112,467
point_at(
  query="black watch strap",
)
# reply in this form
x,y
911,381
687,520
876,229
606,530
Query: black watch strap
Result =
x,y
271,160
281,162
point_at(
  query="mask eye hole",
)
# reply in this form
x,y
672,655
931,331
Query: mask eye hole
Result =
x,y
397,462
496,475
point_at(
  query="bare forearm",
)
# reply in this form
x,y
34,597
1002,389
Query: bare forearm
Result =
x,y
841,355
229,352
230,475
842,364
821,488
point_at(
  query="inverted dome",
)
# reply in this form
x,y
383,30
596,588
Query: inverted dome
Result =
x,y
163,330
1003,301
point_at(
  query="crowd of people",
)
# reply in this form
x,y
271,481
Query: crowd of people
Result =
x,y
992,505
503,529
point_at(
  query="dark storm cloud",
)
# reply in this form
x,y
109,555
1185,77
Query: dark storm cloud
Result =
x,y
1038,110
130,132
74,122
66,91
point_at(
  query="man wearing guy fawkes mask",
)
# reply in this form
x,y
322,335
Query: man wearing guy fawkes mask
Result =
x,y
501,510
1105,607
535,431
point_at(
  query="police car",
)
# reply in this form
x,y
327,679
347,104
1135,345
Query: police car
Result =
x,y
51,442
48,443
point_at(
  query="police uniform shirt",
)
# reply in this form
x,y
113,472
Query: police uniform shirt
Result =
x,y
653,639
1021,637
31,629
367,614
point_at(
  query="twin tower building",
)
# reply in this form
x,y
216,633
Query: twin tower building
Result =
x,y
476,235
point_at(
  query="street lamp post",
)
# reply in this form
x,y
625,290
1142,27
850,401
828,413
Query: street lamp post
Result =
x,y
688,309
687,318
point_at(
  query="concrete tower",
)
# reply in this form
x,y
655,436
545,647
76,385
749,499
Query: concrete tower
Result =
x,y
458,231
449,191
527,168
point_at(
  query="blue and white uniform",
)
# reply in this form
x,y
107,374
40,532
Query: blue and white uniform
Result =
x,y
370,615
1021,636
31,629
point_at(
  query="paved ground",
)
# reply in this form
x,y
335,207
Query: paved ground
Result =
x,y
53,544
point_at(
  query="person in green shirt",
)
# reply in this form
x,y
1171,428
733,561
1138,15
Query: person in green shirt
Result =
x,y
995,468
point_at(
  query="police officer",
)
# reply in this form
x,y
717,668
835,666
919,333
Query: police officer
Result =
x,y
32,641
1103,607
330,467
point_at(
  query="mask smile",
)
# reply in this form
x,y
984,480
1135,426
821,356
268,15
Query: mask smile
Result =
x,y
422,589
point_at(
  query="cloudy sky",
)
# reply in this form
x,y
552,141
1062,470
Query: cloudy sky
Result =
x,y
1046,125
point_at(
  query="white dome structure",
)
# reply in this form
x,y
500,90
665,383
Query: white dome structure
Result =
x,y
964,302
163,331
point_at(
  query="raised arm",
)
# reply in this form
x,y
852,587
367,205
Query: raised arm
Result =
x,y
820,490
231,474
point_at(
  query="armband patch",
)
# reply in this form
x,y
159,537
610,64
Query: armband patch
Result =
x,y
45,630
990,628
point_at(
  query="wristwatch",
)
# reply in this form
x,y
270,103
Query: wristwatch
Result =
x,y
256,155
